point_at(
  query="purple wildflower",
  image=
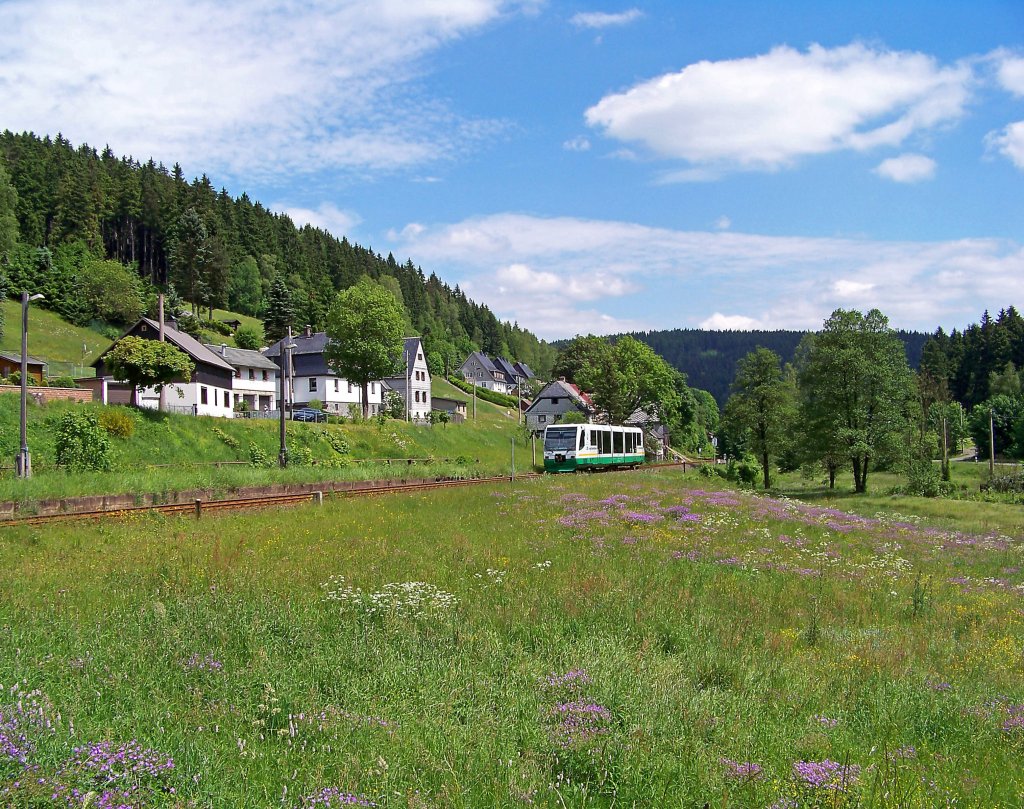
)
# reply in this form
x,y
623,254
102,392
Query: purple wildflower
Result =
x,y
826,774
1014,718
197,663
741,770
579,722
127,762
574,678
640,516
333,796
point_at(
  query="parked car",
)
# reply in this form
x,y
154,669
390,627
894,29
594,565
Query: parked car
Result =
x,y
308,414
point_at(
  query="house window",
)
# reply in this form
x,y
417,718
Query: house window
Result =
x,y
541,419
227,399
252,373
373,387
264,376
419,356
312,383
202,395
335,385
554,400
349,387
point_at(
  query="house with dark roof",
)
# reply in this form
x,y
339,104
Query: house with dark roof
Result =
x,y
480,371
206,393
255,385
310,377
524,370
554,401
10,363
412,382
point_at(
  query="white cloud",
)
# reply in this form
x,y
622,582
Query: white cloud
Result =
x,y
327,216
1009,142
723,223
907,168
845,288
580,144
266,87
764,112
543,272
599,19
720,322
1011,73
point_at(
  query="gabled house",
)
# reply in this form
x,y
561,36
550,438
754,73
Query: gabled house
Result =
x,y
413,381
480,371
10,363
555,400
310,378
255,385
524,370
206,393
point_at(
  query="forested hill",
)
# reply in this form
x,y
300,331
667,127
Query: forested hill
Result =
x,y
708,358
129,211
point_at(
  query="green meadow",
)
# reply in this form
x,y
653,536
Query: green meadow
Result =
x,y
618,640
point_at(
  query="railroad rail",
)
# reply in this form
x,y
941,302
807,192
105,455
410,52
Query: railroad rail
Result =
x,y
198,507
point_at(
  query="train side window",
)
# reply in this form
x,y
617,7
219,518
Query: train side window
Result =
x,y
629,443
606,442
617,442
583,438
593,438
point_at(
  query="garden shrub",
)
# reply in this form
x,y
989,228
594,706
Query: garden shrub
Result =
x,y
62,382
81,443
230,440
258,456
117,422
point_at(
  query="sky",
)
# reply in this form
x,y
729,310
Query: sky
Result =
x,y
583,167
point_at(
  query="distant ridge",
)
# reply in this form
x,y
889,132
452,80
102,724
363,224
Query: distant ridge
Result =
x,y
708,358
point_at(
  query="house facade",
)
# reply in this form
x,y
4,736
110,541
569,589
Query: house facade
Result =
x,y
456,408
414,384
209,390
255,385
480,371
10,363
310,378
554,401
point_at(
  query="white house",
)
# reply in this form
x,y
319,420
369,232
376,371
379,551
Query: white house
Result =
x,y
311,378
255,382
414,380
209,390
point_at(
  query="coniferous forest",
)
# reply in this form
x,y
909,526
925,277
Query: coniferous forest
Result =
x,y
709,358
81,204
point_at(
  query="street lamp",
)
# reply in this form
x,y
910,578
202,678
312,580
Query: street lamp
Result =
x,y
286,356
23,463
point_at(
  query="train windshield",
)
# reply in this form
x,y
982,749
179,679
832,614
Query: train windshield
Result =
x,y
560,438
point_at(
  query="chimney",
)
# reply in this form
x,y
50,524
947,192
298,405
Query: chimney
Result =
x,y
561,379
308,332
223,349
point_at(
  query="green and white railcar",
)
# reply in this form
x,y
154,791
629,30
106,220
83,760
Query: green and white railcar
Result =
x,y
582,447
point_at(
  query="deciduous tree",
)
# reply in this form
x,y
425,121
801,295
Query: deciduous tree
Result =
x,y
855,387
146,363
762,407
364,331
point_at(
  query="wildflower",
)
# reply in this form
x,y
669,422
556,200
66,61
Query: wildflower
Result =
x,y
333,796
826,774
572,678
741,770
579,722
197,663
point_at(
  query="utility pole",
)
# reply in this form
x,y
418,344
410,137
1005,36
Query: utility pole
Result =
x,y
991,444
163,388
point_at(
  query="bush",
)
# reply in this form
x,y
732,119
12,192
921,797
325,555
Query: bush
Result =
x,y
215,325
258,456
249,337
924,480
62,382
82,445
316,404
118,422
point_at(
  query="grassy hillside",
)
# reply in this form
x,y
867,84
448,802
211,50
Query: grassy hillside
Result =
x,y
621,640
170,451
69,349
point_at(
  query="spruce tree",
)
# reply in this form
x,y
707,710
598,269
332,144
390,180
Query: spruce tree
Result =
x,y
278,310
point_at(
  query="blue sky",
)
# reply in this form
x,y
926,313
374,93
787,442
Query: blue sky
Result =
x,y
583,167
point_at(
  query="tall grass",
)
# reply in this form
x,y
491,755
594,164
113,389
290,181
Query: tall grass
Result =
x,y
615,640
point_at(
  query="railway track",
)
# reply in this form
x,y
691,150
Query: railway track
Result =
x,y
200,507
